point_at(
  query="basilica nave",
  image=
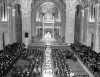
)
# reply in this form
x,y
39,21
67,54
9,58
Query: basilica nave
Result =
x,y
49,38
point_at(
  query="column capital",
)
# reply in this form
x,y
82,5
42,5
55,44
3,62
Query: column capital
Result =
x,y
71,11
25,11
70,4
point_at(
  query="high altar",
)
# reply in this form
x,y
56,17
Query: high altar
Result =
x,y
48,24
47,35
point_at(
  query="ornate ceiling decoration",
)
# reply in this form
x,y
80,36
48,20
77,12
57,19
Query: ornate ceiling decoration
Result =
x,y
48,6
24,2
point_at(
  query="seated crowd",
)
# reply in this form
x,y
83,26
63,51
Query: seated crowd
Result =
x,y
33,66
61,67
8,56
90,58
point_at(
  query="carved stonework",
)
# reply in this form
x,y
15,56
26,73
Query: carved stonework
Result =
x,y
71,12
70,4
26,3
26,12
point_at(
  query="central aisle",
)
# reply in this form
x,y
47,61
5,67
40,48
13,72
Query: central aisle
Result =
x,y
47,70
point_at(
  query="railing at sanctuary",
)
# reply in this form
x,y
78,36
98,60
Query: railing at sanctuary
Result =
x,y
59,44
37,44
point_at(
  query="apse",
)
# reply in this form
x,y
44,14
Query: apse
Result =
x,y
48,19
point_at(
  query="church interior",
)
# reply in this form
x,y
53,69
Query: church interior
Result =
x,y
49,38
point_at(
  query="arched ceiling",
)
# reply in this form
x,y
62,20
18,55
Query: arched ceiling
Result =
x,y
48,7
38,3
60,2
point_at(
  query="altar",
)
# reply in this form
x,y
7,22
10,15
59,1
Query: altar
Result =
x,y
47,35
47,38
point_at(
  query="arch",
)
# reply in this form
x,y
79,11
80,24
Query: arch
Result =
x,y
78,2
78,8
47,3
38,4
17,5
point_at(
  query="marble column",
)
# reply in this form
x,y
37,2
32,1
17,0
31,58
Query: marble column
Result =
x,y
63,23
82,26
26,23
33,20
88,34
96,35
10,25
1,40
70,24
14,25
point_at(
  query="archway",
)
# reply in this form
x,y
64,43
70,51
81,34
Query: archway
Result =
x,y
47,17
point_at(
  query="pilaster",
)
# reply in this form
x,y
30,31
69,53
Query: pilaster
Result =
x,y
33,20
14,25
88,34
82,27
63,22
10,24
1,40
26,23
96,36
70,25
70,21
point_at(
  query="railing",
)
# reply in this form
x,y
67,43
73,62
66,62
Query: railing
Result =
x,y
37,44
59,44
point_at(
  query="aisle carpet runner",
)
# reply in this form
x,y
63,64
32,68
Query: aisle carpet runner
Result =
x,y
48,70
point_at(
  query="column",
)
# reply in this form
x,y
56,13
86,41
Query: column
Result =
x,y
96,35
88,34
63,23
53,30
14,25
26,23
1,41
70,24
82,26
33,20
10,25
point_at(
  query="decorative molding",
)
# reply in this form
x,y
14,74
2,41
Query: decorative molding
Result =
x,y
26,12
25,3
71,11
